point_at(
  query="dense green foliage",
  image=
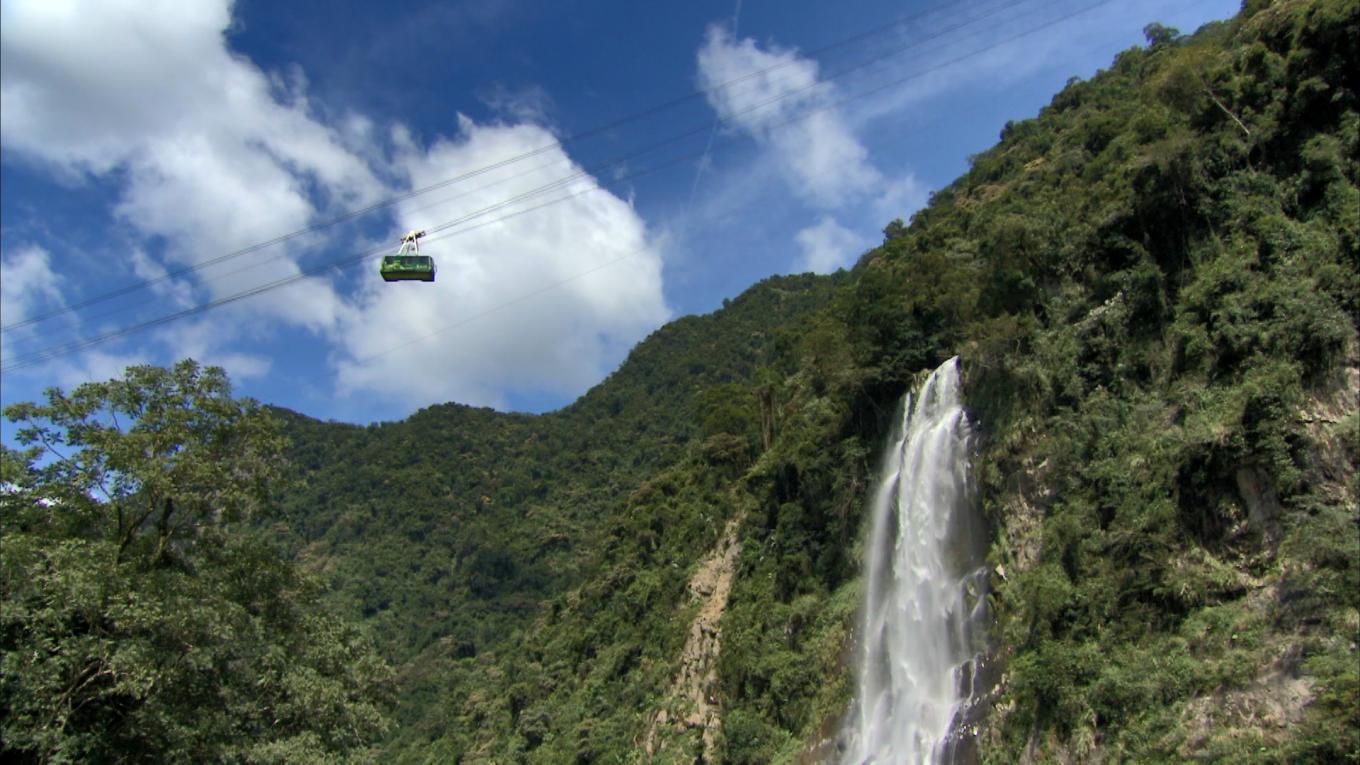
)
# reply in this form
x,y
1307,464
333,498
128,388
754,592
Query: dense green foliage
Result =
x,y
143,617
1168,407
1154,286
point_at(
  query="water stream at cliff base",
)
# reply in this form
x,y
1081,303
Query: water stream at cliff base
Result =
x,y
925,608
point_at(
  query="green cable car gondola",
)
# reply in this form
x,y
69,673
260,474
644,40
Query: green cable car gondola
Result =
x,y
408,264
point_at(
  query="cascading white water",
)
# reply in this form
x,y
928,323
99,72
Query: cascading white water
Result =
x,y
925,605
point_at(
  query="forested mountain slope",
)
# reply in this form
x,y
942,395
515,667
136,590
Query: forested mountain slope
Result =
x,y
1153,286
446,531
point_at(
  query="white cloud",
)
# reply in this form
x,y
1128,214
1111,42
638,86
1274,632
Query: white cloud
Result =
x,y
177,291
828,246
205,341
527,104
559,341
753,88
215,154
901,198
26,283
787,109
94,366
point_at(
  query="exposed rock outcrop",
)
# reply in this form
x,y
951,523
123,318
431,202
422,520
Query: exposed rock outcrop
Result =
x,y
692,705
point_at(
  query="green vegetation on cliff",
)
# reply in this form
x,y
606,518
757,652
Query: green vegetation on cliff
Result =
x,y
1171,410
450,531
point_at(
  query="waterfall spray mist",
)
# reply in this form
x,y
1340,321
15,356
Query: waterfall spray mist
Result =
x,y
925,605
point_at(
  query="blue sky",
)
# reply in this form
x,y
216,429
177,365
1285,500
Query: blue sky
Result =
x,y
679,152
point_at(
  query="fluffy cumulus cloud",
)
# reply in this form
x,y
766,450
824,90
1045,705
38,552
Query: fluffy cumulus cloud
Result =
x,y
26,281
828,246
27,284
777,97
536,304
213,154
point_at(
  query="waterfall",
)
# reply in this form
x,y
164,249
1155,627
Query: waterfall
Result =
x,y
925,605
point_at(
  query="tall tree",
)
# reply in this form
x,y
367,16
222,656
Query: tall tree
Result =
x,y
145,613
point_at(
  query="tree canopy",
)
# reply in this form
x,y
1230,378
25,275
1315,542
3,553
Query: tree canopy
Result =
x,y
147,613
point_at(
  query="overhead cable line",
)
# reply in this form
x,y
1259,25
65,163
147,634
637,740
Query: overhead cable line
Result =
x,y
555,285
38,357
655,146
398,198
675,138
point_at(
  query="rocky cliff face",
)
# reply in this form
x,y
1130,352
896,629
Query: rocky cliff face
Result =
x,y
693,707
